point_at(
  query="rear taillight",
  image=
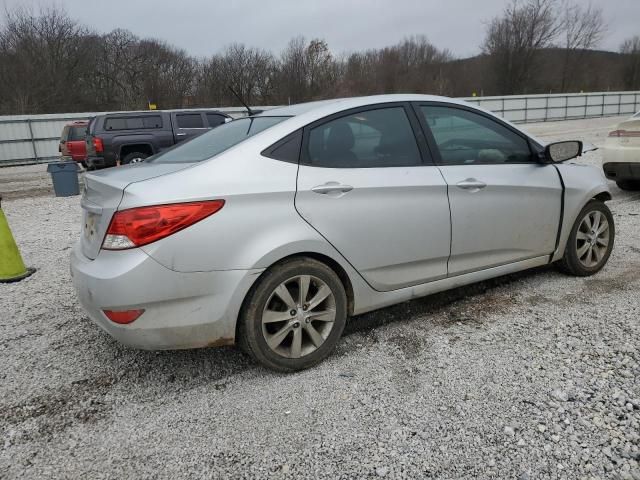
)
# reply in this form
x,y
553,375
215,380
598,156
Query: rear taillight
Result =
x,y
625,133
97,145
140,226
123,316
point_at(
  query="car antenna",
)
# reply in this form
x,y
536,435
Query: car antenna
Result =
x,y
249,111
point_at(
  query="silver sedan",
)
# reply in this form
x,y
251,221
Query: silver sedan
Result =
x,y
271,230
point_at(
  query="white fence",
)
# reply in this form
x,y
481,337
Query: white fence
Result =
x,y
27,139
545,108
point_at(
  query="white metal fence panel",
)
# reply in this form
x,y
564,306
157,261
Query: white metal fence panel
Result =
x,y
26,139
545,108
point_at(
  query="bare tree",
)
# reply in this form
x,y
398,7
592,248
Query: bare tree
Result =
x,y
319,68
51,63
41,55
168,73
514,40
413,65
293,71
249,71
631,68
583,28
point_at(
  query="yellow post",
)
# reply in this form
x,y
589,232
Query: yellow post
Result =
x,y
12,268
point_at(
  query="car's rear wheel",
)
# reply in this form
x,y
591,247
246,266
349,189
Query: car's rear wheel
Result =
x,y
628,184
134,157
590,242
294,316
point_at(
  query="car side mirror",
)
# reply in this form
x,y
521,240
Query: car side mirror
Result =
x,y
562,151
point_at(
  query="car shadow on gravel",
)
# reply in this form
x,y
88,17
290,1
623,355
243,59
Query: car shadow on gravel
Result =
x,y
447,305
216,365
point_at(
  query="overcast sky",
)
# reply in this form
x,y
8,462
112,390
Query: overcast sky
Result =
x,y
203,27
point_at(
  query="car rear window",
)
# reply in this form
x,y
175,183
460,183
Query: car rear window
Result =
x,y
217,140
133,123
77,133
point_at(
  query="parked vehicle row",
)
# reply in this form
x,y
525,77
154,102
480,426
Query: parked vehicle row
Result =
x,y
109,139
132,137
270,230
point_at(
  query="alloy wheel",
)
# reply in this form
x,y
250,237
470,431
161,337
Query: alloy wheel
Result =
x,y
298,316
592,239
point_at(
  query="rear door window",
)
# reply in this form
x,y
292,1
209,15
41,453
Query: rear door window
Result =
x,y
382,137
189,120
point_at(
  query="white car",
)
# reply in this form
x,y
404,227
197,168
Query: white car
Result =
x,y
621,154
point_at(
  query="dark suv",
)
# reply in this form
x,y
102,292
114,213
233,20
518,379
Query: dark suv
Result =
x,y
132,137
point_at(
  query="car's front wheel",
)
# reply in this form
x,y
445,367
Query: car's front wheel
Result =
x,y
294,315
590,242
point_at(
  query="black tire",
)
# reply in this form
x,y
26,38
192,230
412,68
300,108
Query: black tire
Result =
x,y
250,336
570,262
630,185
133,155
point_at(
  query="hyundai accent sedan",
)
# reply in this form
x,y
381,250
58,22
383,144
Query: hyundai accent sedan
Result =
x,y
269,231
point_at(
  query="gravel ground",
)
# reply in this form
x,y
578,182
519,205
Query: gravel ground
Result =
x,y
530,376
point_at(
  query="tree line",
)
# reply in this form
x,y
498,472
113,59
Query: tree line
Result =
x,y
51,63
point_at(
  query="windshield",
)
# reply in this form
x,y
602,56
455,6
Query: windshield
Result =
x,y
216,141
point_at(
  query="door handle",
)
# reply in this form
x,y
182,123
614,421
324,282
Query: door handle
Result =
x,y
180,134
471,184
332,187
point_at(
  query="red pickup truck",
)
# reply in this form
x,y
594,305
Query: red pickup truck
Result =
x,y
72,142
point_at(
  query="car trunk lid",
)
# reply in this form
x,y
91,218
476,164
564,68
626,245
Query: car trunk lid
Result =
x,y
103,193
627,133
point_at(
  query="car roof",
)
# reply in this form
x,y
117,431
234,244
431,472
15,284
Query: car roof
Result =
x,y
339,104
158,112
303,114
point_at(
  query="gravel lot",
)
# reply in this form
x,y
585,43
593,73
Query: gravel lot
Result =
x,y
531,376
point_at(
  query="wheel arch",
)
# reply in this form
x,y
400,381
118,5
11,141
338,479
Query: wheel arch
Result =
x,y
603,196
142,147
333,264
330,262
575,201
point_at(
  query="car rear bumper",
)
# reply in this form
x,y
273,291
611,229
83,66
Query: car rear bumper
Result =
x,y
182,310
621,171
